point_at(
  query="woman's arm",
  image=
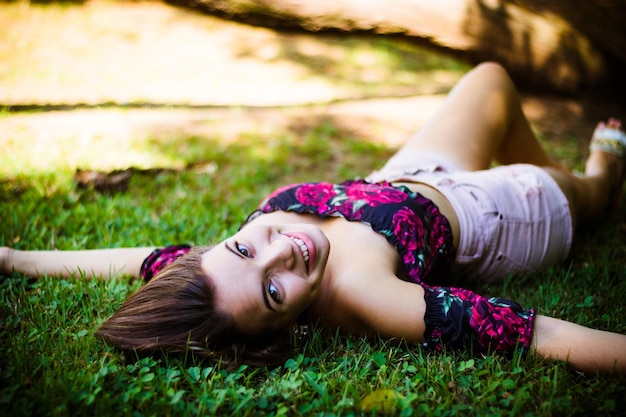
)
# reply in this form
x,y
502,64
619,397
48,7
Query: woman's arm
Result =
x,y
385,306
398,309
93,263
585,349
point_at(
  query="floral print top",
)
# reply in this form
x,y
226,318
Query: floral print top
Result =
x,y
410,222
455,317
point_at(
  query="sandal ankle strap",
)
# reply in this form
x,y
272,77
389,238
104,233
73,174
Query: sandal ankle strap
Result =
x,y
609,140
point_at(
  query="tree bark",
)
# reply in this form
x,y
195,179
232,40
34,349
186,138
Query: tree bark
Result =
x,y
603,21
538,42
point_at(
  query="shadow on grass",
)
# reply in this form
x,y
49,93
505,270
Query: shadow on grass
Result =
x,y
215,187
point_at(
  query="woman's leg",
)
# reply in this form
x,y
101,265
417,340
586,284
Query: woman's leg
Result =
x,y
481,121
599,189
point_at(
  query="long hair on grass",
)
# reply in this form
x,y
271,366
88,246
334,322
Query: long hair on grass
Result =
x,y
176,312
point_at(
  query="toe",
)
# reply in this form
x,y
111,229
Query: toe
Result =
x,y
614,123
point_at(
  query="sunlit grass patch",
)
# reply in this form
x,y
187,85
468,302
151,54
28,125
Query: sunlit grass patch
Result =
x,y
129,52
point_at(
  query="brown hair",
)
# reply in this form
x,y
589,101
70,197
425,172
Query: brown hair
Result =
x,y
175,312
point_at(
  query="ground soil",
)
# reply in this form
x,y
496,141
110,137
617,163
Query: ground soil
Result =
x,y
146,68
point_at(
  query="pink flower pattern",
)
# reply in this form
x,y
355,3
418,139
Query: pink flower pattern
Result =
x,y
410,222
493,324
316,195
373,194
160,258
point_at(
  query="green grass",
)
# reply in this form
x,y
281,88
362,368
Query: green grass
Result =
x,y
52,364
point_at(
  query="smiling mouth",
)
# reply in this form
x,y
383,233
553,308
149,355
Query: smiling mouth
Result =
x,y
303,250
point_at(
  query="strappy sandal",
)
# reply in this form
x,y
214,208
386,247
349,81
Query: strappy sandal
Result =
x,y
609,138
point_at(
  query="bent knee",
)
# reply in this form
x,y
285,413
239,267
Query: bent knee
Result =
x,y
492,69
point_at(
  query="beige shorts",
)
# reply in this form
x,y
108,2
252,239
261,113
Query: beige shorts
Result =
x,y
513,219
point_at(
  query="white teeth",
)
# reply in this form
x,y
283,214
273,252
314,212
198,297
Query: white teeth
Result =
x,y
303,249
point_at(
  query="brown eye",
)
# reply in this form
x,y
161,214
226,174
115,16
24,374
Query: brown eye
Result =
x,y
273,292
242,250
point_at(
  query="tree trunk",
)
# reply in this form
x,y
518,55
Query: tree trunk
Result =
x,y
539,48
603,21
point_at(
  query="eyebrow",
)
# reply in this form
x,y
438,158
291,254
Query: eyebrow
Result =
x,y
266,300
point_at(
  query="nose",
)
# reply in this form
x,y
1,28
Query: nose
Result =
x,y
279,254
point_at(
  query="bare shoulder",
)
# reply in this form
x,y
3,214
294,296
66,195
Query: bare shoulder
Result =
x,y
364,295
382,304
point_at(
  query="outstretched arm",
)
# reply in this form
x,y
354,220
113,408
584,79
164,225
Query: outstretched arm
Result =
x,y
587,350
458,318
93,263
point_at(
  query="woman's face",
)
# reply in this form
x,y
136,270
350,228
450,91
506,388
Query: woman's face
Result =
x,y
265,276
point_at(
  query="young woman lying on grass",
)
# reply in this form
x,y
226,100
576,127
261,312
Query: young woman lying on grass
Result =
x,y
371,256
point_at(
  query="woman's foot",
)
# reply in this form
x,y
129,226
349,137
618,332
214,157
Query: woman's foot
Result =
x,y
607,157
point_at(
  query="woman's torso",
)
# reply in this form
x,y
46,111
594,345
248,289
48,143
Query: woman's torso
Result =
x,y
360,258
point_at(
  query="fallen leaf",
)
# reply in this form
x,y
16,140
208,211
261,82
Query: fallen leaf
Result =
x,y
384,401
103,181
